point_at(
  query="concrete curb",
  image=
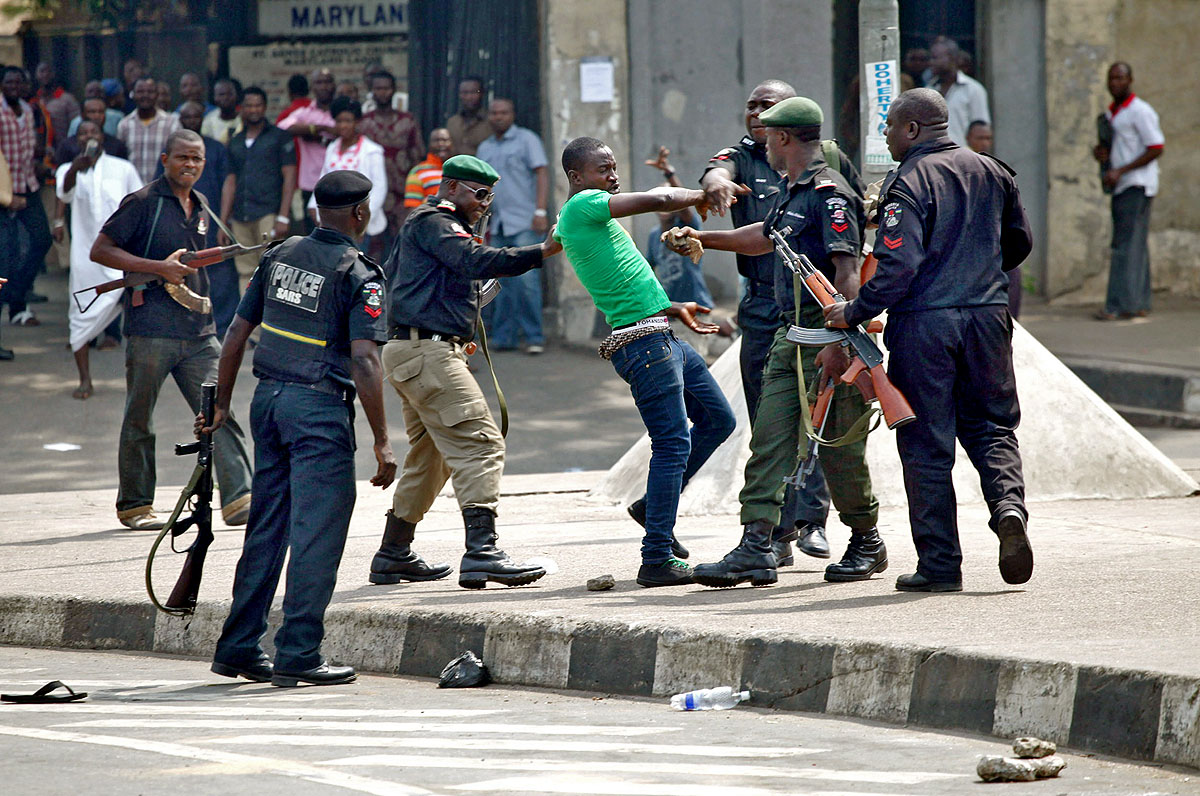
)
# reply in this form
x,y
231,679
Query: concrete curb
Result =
x,y
1139,715
1143,394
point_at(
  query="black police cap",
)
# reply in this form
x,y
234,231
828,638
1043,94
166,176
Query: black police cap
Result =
x,y
339,189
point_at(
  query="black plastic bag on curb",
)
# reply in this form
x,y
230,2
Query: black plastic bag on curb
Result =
x,y
465,671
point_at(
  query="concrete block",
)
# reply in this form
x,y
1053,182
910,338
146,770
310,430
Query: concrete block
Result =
x,y
1116,712
787,674
32,621
951,690
1179,723
109,625
433,640
529,651
613,659
367,638
873,681
1035,699
193,635
687,661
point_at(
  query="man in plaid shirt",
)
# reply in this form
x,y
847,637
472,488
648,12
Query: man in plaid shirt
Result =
x,y
146,129
17,141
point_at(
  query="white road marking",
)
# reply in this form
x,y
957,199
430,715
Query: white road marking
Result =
x,y
247,710
241,762
370,726
693,771
605,787
117,684
513,744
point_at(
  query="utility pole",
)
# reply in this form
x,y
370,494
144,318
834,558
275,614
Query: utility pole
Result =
x,y
879,76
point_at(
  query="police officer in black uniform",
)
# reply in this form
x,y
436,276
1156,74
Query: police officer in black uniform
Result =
x,y
435,268
950,225
805,510
822,215
320,303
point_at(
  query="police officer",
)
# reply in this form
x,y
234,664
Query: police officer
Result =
x,y
951,223
824,214
320,303
435,267
805,510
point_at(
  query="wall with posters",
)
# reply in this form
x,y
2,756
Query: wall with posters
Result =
x,y
270,65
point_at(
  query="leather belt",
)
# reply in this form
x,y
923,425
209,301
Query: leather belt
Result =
x,y
327,386
399,332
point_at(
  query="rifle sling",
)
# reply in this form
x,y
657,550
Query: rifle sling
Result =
x,y
169,528
483,344
860,428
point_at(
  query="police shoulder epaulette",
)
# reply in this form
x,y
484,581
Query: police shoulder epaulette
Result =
x,y
1008,168
724,153
364,257
446,204
825,182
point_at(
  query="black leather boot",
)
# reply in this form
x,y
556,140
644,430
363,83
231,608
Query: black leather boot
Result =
x,y
396,561
864,556
637,510
812,541
483,561
752,560
781,546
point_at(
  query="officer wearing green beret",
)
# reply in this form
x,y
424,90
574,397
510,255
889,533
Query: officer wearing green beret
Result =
x,y
435,270
825,217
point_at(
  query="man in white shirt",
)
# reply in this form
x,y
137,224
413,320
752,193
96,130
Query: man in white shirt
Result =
x,y
1137,142
966,98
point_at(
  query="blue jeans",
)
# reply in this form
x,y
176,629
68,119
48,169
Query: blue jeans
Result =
x,y
26,256
303,497
1129,271
518,307
148,362
671,385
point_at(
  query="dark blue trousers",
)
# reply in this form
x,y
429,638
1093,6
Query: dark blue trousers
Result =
x,y
301,501
758,318
955,368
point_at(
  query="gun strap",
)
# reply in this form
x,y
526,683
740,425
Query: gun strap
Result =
x,y
495,381
204,206
180,505
861,427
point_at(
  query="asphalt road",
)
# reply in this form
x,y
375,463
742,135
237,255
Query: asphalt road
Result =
x,y
157,725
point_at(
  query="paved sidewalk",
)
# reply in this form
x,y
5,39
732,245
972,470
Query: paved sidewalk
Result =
x,y
1100,651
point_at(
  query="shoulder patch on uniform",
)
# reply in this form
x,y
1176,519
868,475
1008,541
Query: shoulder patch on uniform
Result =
x,y
890,217
294,286
446,204
458,230
372,294
893,243
825,184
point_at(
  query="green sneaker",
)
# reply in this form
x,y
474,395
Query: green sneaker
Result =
x,y
671,572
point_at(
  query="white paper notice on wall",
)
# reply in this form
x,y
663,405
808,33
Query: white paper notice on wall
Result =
x,y
882,82
596,79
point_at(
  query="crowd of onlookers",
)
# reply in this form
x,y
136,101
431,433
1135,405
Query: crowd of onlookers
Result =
x,y
258,177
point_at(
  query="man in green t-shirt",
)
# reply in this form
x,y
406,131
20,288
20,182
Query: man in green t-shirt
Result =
x,y
670,382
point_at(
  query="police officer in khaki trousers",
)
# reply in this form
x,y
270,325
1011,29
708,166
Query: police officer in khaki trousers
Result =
x,y
435,268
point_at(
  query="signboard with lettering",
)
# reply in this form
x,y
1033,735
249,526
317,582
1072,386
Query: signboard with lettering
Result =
x,y
270,66
294,18
882,82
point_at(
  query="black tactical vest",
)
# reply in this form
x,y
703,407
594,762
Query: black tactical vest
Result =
x,y
302,315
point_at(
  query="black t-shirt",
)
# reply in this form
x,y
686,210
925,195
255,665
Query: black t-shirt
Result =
x,y
747,163
259,171
150,223
825,215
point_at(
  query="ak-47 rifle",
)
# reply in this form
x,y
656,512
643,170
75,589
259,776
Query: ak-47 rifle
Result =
x,y
182,294
198,496
866,368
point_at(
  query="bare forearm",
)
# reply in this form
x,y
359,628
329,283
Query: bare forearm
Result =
x,y
107,253
289,188
846,276
1143,159
543,187
232,352
743,240
368,381
658,200
228,191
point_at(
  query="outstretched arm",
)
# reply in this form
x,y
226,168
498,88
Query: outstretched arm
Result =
x,y
657,200
743,240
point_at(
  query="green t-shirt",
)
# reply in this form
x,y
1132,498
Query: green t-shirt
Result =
x,y
607,262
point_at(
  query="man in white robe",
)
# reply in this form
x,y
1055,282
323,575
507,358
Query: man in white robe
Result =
x,y
93,185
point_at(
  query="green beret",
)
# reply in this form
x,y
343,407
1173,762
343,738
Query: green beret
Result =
x,y
469,168
793,112
343,188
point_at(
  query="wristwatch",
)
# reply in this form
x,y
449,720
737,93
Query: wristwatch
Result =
x,y
539,213
282,220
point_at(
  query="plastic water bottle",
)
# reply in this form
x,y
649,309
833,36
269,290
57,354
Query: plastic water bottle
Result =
x,y
722,698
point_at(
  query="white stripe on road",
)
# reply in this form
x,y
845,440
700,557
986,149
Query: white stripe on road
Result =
x,y
369,726
692,770
240,710
605,787
506,744
240,763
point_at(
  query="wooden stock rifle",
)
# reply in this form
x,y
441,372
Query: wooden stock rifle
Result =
x,y
198,496
866,366
181,293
